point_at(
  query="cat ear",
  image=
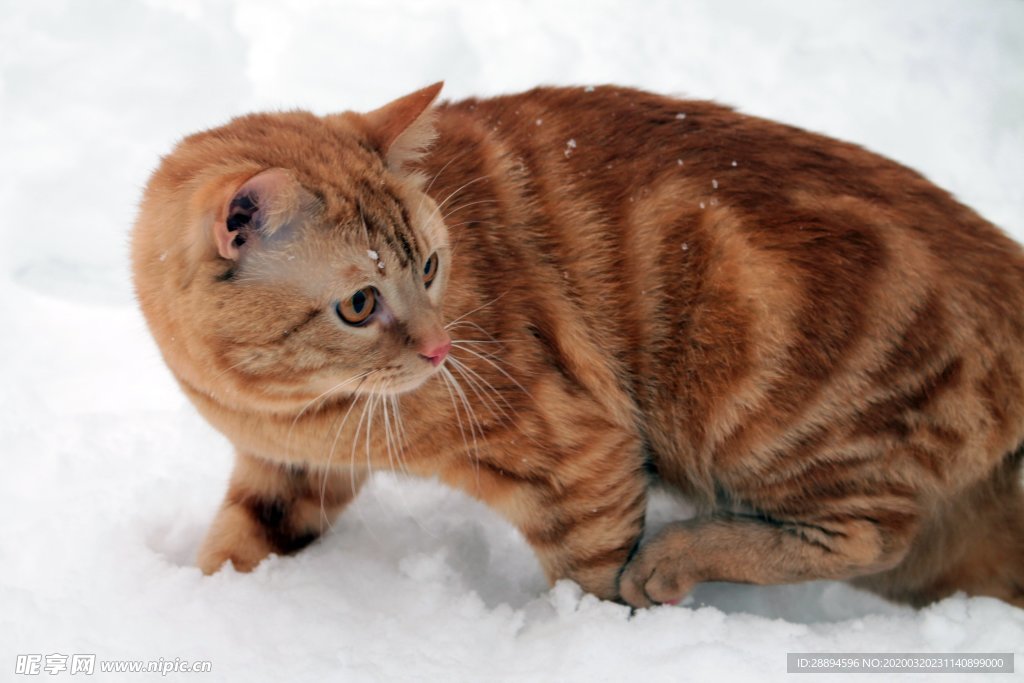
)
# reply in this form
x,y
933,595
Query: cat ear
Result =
x,y
403,129
258,210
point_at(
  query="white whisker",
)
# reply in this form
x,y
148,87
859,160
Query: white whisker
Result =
x,y
438,174
480,341
352,451
491,338
481,382
471,419
453,193
449,381
399,431
494,365
476,384
330,456
460,207
452,226
287,441
478,308
229,369
394,438
389,436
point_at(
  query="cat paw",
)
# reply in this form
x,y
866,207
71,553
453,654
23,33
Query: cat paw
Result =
x,y
660,573
236,538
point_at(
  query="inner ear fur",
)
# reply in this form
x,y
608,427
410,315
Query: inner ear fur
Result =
x,y
403,129
254,208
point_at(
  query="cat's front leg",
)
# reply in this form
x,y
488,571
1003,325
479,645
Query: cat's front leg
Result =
x,y
760,550
273,508
585,516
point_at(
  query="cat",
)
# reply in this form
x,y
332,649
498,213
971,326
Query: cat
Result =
x,y
557,299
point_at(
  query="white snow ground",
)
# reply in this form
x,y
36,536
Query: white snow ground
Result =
x,y
109,477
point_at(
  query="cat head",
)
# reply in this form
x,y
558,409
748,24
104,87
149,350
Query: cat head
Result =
x,y
285,257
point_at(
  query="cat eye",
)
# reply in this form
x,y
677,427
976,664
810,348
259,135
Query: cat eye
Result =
x,y
358,308
430,270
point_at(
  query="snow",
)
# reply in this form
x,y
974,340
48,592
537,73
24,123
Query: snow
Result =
x,y
110,477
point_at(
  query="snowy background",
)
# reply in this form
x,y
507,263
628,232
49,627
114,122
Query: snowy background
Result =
x,y
108,477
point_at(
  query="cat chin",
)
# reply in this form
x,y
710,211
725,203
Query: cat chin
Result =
x,y
394,388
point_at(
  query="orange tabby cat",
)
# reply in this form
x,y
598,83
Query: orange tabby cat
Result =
x,y
552,300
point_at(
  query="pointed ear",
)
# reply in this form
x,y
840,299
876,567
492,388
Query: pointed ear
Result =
x,y
258,210
403,129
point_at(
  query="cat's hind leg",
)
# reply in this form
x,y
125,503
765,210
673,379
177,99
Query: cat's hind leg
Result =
x,y
973,543
849,528
753,550
273,508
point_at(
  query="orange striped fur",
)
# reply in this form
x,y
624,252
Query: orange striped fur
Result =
x,y
816,344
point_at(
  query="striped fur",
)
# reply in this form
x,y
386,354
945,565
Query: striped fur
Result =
x,y
816,344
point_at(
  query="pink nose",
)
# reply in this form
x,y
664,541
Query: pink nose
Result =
x,y
437,355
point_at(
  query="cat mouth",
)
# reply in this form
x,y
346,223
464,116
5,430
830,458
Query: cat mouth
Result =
x,y
431,362
414,383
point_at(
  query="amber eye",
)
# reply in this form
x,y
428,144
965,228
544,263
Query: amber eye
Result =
x,y
358,308
430,270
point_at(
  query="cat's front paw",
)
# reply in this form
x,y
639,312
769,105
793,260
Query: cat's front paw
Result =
x,y
234,537
662,571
